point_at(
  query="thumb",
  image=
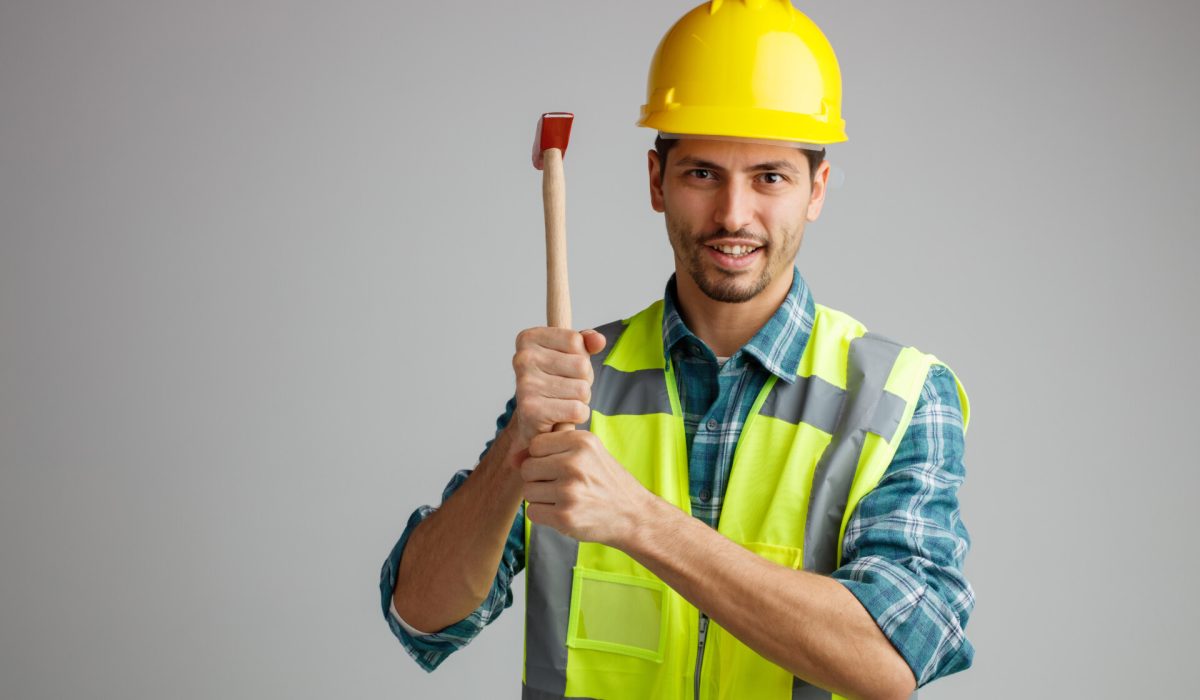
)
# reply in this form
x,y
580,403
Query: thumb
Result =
x,y
593,341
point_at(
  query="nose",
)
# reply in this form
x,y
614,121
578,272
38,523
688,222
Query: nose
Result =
x,y
735,207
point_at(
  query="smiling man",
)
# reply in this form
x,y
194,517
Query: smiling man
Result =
x,y
761,498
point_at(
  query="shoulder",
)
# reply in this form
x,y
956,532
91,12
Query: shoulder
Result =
x,y
940,391
645,324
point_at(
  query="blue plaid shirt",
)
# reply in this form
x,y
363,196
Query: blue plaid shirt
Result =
x,y
905,542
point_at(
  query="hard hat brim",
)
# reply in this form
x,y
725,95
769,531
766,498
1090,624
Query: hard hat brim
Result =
x,y
744,122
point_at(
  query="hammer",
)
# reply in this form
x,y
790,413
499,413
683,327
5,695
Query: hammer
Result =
x,y
549,145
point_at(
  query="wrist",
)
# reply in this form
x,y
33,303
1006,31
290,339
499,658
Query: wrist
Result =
x,y
503,464
647,513
515,439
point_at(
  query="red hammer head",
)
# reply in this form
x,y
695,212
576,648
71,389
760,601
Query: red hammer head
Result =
x,y
553,131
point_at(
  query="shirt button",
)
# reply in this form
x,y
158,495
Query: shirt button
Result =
x,y
705,495
711,424
696,352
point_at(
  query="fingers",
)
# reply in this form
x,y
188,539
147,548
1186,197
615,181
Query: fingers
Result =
x,y
554,378
569,389
536,358
560,364
560,339
541,492
594,341
544,413
548,444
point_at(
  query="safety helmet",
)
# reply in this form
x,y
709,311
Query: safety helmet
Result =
x,y
752,69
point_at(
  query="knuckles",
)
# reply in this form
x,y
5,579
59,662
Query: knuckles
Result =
x,y
541,335
526,337
522,360
589,440
583,368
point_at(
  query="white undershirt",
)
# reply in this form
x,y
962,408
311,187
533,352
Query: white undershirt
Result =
x,y
407,627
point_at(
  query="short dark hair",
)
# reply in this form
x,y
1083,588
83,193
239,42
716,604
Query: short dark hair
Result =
x,y
663,147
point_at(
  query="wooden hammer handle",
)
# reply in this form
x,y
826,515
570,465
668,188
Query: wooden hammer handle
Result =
x,y
554,200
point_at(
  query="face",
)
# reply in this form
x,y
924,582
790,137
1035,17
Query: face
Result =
x,y
735,212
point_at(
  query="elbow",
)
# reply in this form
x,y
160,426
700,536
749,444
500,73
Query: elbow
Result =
x,y
893,681
896,691
903,691
900,682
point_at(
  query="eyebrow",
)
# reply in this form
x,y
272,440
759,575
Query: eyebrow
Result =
x,y
771,165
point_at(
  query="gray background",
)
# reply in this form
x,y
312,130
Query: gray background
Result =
x,y
262,266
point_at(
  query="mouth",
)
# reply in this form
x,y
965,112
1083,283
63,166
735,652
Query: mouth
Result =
x,y
735,257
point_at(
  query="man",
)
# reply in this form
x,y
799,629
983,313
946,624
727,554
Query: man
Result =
x,y
761,500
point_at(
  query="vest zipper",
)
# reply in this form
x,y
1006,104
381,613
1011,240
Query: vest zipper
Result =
x,y
700,652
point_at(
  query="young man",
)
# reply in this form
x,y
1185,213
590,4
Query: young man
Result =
x,y
761,500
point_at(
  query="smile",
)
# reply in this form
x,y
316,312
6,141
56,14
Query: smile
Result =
x,y
734,257
734,250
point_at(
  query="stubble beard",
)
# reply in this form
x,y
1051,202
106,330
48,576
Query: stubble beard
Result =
x,y
715,283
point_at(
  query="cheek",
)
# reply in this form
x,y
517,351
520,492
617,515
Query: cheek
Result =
x,y
702,209
690,211
785,218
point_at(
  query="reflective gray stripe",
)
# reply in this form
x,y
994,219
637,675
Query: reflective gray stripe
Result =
x,y
634,393
810,400
528,693
816,402
887,416
868,366
804,691
610,331
552,558
614,392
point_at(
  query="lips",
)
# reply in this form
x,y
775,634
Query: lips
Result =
x,y
734,261
734,250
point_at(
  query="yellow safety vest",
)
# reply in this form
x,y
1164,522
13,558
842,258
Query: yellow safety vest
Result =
x,y
600,625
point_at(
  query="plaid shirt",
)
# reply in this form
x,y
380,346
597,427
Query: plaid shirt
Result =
x,y
904,544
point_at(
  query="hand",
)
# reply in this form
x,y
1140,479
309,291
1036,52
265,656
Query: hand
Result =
x,y
554,380
574,485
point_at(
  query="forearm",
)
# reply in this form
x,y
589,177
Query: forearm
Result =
x,y
806,623
451,558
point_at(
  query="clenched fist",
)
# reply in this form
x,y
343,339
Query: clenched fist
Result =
x,y
554,379
575,485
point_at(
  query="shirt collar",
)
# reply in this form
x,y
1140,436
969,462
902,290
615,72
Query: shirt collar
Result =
x,y
778,345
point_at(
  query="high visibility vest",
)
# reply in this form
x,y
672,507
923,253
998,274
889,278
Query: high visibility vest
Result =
x,y
600,625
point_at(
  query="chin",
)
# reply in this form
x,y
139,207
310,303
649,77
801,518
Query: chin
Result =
x,y
732,292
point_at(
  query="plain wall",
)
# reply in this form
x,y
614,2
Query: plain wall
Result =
x,y
262,265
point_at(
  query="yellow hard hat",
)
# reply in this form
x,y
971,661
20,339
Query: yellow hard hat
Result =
x,y
755,69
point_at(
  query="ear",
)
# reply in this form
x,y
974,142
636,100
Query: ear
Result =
x,y
820,185
656,190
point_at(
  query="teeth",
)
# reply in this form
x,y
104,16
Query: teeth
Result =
x,y
735,249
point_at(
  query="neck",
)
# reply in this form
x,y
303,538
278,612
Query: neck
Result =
x,y
725,327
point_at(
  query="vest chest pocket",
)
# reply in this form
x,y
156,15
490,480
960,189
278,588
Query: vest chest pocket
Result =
x,y
618,613
791,557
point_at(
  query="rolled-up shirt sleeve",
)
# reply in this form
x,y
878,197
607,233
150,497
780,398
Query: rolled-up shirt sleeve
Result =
x,y
430,650
905,543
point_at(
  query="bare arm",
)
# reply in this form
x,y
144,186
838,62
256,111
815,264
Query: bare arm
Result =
x,y
818,630
451,558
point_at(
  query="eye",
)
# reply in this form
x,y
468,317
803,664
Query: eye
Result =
x,y
701,173
773,178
